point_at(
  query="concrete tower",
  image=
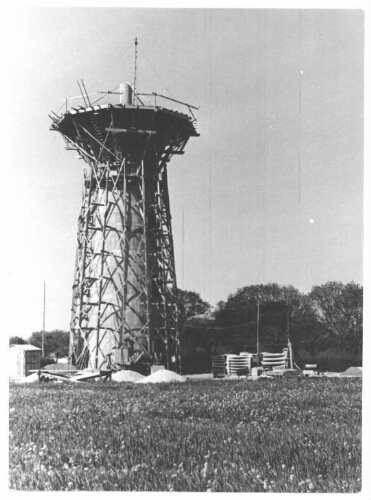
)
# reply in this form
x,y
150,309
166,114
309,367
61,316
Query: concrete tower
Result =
x,y
124,309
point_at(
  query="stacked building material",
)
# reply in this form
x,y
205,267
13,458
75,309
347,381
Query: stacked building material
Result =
x,y
236,362
272,361
219,366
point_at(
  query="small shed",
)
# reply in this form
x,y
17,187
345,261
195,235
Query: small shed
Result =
x,y
23,358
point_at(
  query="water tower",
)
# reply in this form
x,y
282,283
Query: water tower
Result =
x,y
124,310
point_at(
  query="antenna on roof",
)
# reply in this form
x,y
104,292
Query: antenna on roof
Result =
x,y
135,68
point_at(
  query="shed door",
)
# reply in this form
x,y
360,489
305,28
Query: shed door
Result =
x,y
32,361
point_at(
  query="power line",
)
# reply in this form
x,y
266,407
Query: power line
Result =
x,y
300,111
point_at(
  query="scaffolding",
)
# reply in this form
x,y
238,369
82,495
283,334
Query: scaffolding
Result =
x,y
124,307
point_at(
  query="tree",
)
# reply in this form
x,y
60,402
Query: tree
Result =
x,y
190,304
16,340
340,309
283,312
195,325
56,342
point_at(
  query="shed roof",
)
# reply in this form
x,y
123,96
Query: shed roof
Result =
x,y
25,347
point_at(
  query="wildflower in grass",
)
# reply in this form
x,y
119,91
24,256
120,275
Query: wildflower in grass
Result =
x,y
204,470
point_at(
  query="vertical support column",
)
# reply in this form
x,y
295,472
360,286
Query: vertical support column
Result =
x,y
177,342
102,261
81,265
147,270
167,333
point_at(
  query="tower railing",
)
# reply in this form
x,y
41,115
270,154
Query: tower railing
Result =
x,y
104,98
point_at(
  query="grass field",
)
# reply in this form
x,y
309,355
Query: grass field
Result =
x,y
212,435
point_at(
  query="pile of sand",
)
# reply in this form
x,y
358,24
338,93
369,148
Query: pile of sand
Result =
x,y
26,380
162,376
127,376
354,371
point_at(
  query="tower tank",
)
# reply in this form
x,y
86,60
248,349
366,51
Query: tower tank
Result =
x,y
124,308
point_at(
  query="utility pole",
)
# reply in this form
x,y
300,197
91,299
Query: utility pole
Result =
x,y
288,340
257,333
43,332
183,247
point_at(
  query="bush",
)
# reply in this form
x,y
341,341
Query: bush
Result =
x,y
46,361
334,360
196,363
304,357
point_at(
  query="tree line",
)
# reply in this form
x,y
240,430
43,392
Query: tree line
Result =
x,y
324,326
56,344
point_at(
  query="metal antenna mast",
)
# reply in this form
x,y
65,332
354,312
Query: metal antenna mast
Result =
x,y
135,68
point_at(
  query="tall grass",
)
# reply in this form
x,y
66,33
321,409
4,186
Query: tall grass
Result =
x,y
280,436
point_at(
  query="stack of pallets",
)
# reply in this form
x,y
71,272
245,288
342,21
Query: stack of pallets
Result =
x,y
219,366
